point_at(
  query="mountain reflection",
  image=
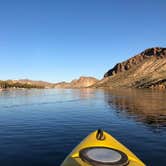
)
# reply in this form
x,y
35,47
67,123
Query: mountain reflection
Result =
x,y
147,106
86,93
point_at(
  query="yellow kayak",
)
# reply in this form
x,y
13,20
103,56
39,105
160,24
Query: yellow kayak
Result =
x,y
101,149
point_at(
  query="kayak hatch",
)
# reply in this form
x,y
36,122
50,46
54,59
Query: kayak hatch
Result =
x,y
101,149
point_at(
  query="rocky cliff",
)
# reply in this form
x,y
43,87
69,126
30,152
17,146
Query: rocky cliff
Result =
x,y
145,70
82,82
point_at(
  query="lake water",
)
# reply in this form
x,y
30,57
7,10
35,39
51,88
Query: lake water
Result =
x,y
40,127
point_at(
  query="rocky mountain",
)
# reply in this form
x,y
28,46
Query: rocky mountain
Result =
x,y
82,82
145,70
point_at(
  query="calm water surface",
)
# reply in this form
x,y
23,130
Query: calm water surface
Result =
x,y
40,127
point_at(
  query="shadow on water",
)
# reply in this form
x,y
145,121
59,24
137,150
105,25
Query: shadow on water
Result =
x,y
147,106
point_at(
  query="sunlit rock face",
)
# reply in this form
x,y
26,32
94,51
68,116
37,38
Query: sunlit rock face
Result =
x,y
82,82
156,53
145,70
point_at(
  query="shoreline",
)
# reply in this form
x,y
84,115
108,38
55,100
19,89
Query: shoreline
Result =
x,y
6,89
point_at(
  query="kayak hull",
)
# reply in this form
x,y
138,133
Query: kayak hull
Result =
x,y
73,159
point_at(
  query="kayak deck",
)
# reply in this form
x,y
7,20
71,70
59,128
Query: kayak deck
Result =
x,y
74,159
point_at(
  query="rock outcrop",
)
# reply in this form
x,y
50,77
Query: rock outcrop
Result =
x,y
145,70
82,82
126,65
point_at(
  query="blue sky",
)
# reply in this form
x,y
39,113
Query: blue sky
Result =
x,y
61,40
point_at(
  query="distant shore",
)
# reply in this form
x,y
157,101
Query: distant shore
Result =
x,y
9,89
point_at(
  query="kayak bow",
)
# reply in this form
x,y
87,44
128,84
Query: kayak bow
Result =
x,y
101,149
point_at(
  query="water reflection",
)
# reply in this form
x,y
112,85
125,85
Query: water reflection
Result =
x,y
87,93
147,106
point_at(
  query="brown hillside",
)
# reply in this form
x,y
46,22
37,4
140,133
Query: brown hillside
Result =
x,y
145,70
82,82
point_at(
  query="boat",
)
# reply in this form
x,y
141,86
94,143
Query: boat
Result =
x,y
101,149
